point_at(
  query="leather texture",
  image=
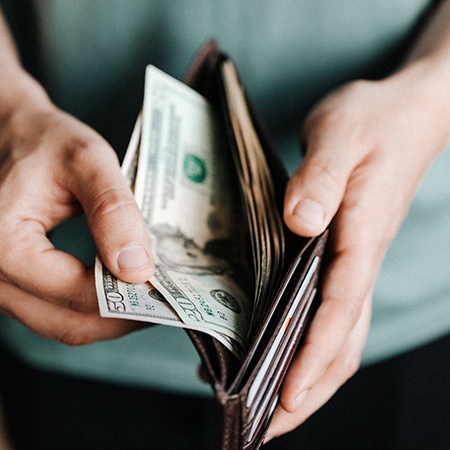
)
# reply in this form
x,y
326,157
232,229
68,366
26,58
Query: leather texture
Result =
x,y
247,392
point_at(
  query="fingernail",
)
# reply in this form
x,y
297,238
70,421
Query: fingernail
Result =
x,y
133,257
310,212
300,399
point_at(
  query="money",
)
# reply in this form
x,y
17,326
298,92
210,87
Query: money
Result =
x,y
130,160
185,185
136,301
210,214
186,189
143,302
266,228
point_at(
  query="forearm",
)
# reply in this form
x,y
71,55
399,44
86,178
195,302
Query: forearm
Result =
x,y
368,146
16,85
424,76
21,96
9,57
434,41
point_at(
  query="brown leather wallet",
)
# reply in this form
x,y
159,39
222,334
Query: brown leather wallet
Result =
x,y
247,392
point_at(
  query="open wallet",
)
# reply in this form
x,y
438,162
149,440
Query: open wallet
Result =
x,y
247,392
246,377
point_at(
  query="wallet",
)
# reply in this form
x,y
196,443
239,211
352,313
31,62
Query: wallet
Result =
x,y
247,391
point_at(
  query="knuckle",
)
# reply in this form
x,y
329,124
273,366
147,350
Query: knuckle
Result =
x,y
359,227
323,355
78,149
363,236
77,152
81,152
352,366
321,169
7,305
350,308
113,201
11,249
74,337
319,123
354,311
348,368
339,116
81,304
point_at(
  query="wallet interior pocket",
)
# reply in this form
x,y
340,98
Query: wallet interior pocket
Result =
x,y
247,391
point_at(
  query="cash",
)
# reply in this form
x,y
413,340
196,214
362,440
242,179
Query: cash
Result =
x,y
209,214
143,302
266,229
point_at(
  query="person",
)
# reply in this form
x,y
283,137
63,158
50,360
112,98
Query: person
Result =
x,y
374,150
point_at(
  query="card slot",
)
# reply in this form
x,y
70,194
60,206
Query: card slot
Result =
x,y
284,330
279,366
257,426
268,328
261,414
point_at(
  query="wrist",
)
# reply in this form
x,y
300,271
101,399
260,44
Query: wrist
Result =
x,y
22,99
19,89
423,84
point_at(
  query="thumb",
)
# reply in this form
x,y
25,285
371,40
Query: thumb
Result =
x,y
113,216
317,188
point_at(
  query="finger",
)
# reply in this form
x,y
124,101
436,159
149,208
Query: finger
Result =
x,y
30,262
113,216
359,238
316,189
338,372
59,323
348,281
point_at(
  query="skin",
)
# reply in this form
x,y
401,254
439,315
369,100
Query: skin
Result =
x,y
368,145
51,167
354,176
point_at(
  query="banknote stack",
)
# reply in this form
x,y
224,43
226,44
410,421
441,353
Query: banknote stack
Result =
x,y
210,213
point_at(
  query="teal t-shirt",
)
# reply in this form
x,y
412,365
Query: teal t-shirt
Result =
x,y
289,54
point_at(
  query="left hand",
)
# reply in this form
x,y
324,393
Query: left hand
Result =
x,y
368,146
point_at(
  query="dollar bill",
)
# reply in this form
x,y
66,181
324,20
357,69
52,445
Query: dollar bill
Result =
x,y
266,228
187,191
143,302
210,214
185,185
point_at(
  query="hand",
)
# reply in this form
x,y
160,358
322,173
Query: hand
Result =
x,y
52,167
368,147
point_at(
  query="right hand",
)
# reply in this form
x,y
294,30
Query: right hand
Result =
x,y
53,167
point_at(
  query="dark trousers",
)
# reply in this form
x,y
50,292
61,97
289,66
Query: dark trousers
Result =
x,y
401,403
